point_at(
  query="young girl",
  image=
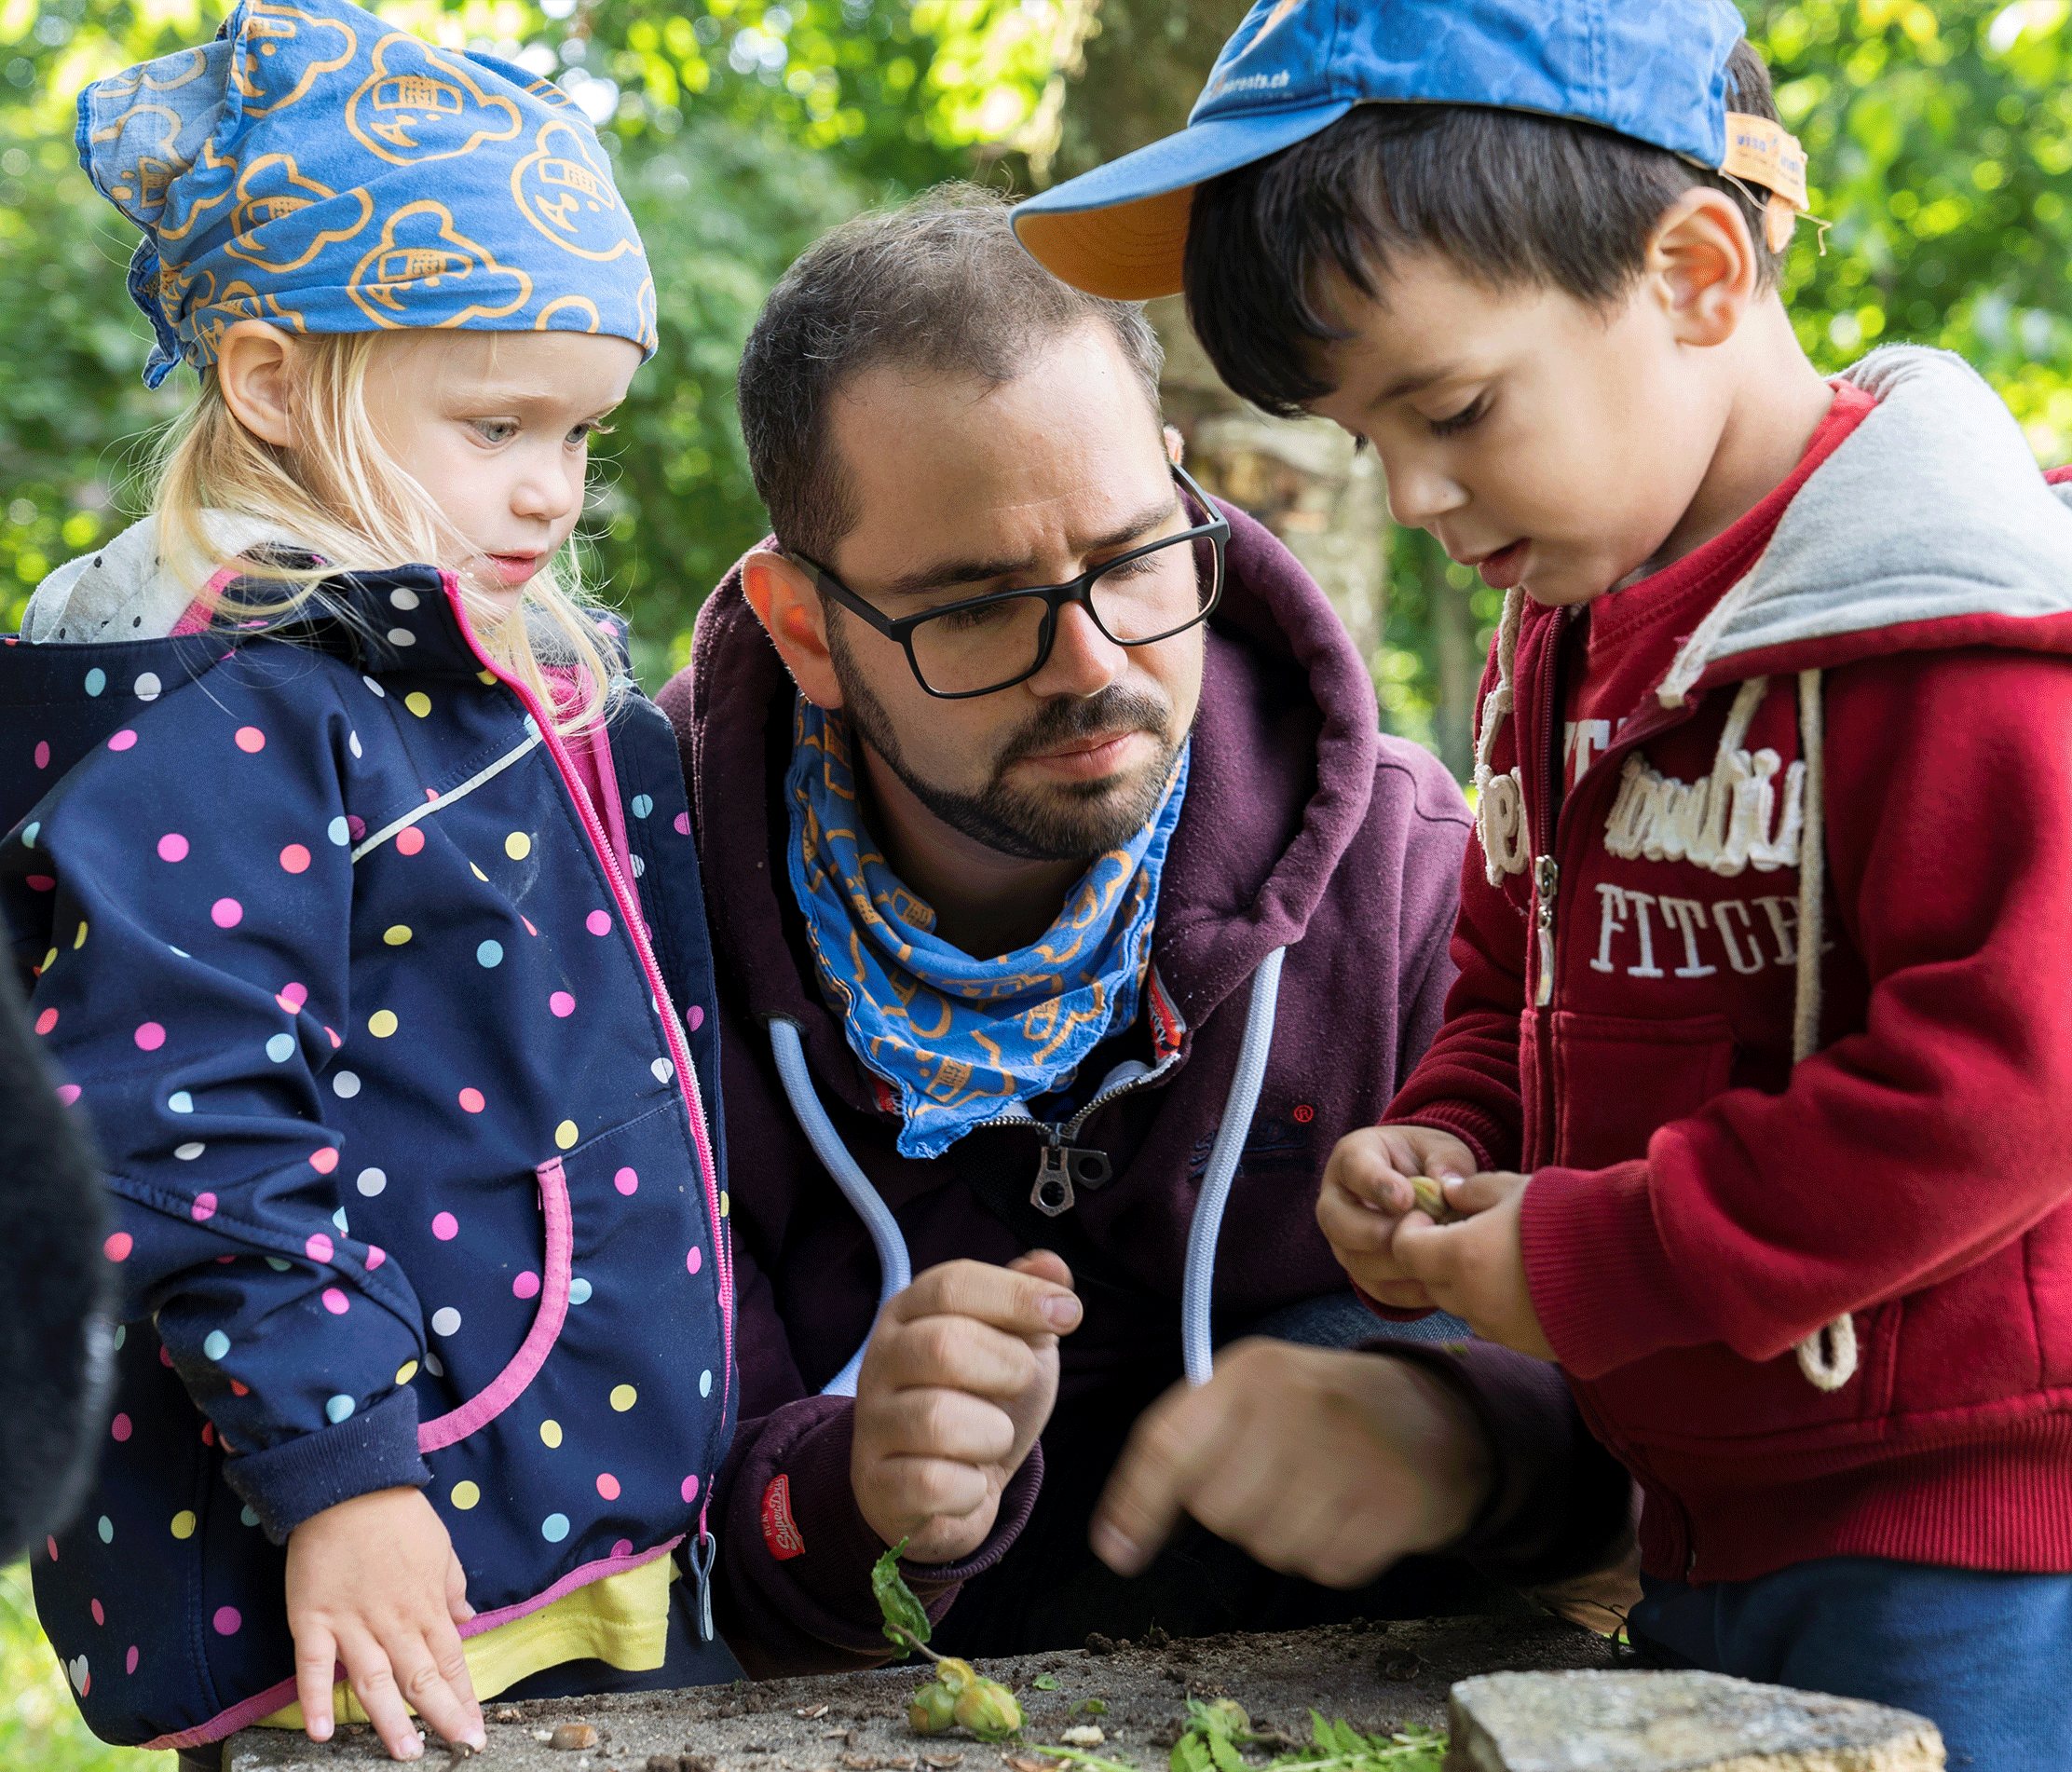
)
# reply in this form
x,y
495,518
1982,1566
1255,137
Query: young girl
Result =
x,y
366,931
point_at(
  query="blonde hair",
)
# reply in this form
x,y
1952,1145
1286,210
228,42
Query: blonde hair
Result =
x,y
343,495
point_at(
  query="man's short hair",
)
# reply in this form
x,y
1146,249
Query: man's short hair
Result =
x,y
939,284
1514,200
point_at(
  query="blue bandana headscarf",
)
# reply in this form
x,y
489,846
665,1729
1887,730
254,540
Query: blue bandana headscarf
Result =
x,y
315,168
962,1040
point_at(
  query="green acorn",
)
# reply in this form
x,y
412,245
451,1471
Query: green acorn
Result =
x,y
931,1710
988,1711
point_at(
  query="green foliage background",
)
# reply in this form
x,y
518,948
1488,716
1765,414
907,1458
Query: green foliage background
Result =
x,y
1939,131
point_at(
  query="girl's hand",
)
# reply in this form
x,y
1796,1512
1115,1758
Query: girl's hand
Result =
x,y
1369,1187
374,1583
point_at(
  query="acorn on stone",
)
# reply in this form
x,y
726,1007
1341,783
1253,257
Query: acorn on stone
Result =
x,y
930,1709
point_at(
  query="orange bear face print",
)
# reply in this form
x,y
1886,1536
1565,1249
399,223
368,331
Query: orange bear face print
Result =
x,y
420,103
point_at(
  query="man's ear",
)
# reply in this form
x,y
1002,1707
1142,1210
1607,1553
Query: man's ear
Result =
x,y
1701,262
254,368
788,606
1176,446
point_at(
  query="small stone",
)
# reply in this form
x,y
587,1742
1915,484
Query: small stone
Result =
x,y
1676,1721
1084,1736
1155,1637
1097,1644
505,1715
568,1736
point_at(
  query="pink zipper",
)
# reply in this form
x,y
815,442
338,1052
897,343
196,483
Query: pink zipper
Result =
x,y
629,909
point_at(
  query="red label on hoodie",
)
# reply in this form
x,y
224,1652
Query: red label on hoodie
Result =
x,y
780,1530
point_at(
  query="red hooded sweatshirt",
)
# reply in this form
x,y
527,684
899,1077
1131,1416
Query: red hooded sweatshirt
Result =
x,y
1733,1153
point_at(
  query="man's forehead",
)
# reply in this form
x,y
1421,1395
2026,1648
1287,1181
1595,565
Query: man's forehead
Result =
x,y
937,463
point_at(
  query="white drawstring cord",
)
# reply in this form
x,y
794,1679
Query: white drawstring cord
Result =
x,y
1828,1356
895,1268
1197,1344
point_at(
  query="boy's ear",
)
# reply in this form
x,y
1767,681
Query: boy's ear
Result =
x,y
787,602
255,365
1701,260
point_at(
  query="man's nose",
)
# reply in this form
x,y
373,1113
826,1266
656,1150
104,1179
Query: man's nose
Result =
x,y
1082,660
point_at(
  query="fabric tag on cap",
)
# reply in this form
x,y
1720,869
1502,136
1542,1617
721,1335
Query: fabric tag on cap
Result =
x,y
1768,153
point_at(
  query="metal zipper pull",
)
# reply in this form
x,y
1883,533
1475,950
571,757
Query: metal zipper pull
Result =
x,y
1546,878
703,1555
1058,1168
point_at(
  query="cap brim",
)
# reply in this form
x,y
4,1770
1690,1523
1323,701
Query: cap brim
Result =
x,y
1121,230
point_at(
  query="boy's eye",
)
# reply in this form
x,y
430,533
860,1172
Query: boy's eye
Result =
x,y
1469,415
588,429
495,431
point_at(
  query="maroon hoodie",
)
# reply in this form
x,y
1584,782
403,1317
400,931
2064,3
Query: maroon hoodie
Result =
x,y
1304,826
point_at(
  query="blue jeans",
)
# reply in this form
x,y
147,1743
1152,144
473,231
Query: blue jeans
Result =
x,y
1986,1656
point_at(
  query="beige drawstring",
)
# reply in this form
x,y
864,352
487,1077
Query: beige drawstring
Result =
x,y
1500,799
1828,1356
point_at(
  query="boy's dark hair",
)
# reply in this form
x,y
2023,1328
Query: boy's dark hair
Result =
x,y
1513,200
941,284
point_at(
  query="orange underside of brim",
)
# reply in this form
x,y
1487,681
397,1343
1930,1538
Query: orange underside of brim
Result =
x,y
1128,254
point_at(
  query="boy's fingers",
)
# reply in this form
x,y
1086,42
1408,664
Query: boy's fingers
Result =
x,y
316,1662
1349,1226
1043,1265
952,1353
1470,1194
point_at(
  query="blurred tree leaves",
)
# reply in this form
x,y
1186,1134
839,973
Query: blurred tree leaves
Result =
x,y
1940,134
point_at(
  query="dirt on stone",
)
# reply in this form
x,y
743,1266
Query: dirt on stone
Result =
x,y
1376,1676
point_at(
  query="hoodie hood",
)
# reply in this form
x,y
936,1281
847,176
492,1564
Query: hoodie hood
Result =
x,y
1862,564
1285,747
122,591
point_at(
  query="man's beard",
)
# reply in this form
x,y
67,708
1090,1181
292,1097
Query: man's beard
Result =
x,y
1069,822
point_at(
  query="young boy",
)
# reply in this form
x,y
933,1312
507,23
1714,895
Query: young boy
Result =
x,y
1763,943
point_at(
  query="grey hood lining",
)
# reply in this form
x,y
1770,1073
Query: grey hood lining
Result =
x,y
1868,543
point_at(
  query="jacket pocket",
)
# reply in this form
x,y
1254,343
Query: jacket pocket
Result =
x,y
1617,1078
495,1396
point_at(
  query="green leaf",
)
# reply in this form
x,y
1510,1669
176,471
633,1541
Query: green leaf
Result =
x,y
905,1623
1044,1683
1224,1755
1191,1755
1088,1708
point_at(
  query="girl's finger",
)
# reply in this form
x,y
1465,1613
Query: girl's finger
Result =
x,y
433,1671
457,1608
374,1682
315,1665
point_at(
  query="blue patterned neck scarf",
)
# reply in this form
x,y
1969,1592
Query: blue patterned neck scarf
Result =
x,y
962,1040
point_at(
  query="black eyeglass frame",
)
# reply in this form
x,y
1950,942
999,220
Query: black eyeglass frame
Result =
x,y
1216,531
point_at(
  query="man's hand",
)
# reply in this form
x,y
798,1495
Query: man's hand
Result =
x,y
1317,1462
374,1583
1475,1269
957,1381
1367,1188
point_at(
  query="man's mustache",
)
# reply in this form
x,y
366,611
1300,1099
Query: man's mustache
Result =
x,y
1112,713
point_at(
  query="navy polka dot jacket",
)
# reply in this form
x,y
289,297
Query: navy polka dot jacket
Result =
x,y
401,1080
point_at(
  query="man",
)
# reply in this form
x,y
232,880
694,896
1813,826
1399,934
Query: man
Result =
x,y
999,889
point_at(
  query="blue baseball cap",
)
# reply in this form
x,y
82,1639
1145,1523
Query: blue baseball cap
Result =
x,y
1655,70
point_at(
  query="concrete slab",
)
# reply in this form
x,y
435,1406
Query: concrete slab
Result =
x,y
1376,1676
1676,1721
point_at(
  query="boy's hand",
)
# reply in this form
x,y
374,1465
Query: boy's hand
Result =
x,y
1318,1462
1369,1183
1475,1269
957,1381
374,1583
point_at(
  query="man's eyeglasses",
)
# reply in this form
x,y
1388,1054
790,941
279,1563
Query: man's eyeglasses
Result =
x,y
994,642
